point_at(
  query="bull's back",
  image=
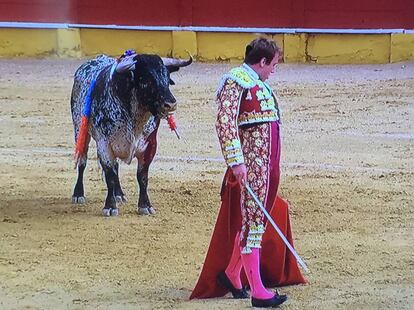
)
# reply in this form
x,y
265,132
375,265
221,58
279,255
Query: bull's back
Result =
x,y
86,73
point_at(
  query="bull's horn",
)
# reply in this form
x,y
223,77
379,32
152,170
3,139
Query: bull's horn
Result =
x,y
177,62
126,64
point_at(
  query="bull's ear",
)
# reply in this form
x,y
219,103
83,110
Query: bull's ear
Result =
x,y
172,82
126,64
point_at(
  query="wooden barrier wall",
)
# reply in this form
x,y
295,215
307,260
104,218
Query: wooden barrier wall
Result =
x,y
329,14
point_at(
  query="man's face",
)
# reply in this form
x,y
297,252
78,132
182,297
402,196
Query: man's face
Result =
x,y
265,69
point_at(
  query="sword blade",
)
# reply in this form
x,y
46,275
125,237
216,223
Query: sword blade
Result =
x,y
279,232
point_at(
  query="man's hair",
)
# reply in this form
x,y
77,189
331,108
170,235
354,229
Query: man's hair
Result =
x,y
260,48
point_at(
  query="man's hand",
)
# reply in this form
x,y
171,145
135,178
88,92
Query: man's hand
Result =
x,y
240,173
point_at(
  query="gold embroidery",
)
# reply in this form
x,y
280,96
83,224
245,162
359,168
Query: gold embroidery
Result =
x,y
257,117
254,238
232,144
257,161
224,119
226,103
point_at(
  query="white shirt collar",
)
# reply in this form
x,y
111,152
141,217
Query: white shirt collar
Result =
x,y
250,71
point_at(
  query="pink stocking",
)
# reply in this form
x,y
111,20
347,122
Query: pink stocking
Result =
x,y
235,265
251,264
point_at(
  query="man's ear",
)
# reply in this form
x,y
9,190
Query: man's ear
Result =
x,y
263,62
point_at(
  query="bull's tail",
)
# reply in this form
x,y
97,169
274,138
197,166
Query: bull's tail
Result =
x,y
81,142
83,134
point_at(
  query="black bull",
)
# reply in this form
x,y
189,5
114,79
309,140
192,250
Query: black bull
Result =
x,y
129,99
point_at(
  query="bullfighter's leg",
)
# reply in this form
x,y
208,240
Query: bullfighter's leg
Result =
x,y
144,161
78,192
119,194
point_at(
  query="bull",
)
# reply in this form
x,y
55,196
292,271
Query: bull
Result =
x,y
128,98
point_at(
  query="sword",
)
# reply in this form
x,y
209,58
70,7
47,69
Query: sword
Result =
x,y
290,247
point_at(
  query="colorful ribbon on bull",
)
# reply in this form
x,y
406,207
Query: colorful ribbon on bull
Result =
x,y
172,124
84,127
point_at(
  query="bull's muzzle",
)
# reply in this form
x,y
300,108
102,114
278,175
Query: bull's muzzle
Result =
x,y
170,106
170,103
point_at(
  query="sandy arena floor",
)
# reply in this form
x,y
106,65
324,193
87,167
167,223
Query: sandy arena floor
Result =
x,y
348,172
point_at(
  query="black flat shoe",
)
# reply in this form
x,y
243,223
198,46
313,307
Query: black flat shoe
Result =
x,y
224,281
269,303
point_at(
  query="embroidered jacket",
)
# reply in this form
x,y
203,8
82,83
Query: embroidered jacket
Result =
x,y
243,99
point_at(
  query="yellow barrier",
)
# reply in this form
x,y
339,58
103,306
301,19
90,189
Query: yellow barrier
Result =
x,y
205,46
16,42
348,48
402,47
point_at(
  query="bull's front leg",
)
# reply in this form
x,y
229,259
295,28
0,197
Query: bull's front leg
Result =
x,y
144,204
110,208
109,166
144,161
119,193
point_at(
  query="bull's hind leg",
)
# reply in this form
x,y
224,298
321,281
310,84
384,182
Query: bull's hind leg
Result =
x,y
78,192
119,194
144,161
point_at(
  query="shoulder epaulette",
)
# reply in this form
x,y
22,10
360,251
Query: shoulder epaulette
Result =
x,y
239,76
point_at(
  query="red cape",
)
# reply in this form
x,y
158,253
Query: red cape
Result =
x,y
278,267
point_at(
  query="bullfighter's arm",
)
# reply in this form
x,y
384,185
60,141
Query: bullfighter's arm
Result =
x,y
228,101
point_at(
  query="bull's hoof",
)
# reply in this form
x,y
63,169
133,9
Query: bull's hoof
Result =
x,y
146,211
110,212
78,199
121,198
